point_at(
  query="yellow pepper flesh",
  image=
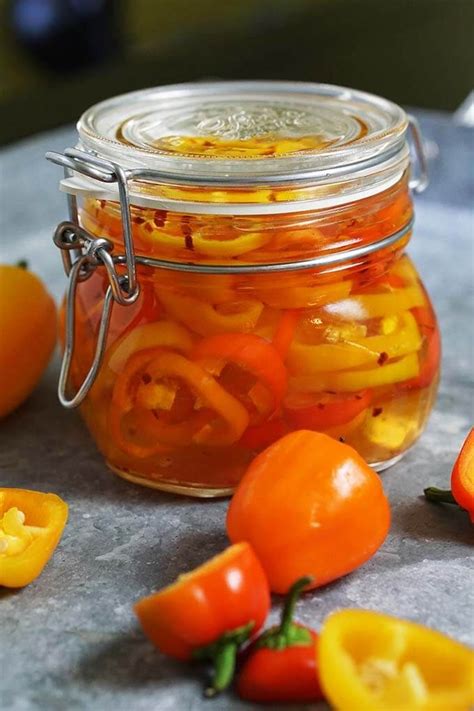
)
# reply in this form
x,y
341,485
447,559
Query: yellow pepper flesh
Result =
x,y
365,306
31,524
353,380
374,662
404,338
209,319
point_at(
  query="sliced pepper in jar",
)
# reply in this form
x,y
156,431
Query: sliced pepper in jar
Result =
x,y
355,380
181,403
208,319
374,662
31,524
262,381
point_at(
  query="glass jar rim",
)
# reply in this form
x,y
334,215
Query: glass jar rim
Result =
x,y
218,108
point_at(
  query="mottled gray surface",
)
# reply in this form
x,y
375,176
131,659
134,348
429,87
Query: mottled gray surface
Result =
x,y
69,640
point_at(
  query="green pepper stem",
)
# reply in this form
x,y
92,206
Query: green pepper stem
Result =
x,y
290,604
224,669
440,496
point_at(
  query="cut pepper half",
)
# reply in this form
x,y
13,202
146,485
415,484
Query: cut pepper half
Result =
x,y
374,662
31,524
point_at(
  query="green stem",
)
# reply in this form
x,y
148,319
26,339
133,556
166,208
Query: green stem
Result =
x,y
440,496
22,264
224,669
290,604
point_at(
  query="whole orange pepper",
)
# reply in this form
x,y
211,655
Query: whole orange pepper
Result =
x,y
462,480
309,505
209,612
31,524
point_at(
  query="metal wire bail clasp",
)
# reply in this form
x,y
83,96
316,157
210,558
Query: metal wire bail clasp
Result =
x,y
82,253
418,182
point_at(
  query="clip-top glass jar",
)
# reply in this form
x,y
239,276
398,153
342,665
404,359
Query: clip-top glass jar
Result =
x,y
236,254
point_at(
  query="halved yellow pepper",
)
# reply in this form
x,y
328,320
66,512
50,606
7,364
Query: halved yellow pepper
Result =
x,y
403,338
374,662
353,380
365,306
209,319
31,524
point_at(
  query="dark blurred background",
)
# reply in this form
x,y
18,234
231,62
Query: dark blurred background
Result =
x,y
57,57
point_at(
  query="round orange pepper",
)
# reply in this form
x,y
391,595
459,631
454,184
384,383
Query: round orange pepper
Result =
x,y
208,613
28,331
309,505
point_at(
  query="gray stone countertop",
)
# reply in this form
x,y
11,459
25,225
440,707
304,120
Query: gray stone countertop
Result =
x,y
70,640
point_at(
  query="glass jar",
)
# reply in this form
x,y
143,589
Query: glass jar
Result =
x,y
237,266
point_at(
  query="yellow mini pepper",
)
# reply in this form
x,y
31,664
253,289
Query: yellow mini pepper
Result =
x,y
374,662
31,524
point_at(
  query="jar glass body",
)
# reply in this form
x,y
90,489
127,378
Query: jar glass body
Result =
x,y
205,370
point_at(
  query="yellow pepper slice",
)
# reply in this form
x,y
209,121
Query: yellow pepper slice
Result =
x,y
31,524
158,240
210,319
404,338
374,662
165,334
365,306
303,297
352,380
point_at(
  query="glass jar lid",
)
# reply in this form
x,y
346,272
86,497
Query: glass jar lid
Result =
x,y
235,133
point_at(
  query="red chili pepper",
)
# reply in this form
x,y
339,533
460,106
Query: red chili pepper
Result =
x,y
282,663
462,480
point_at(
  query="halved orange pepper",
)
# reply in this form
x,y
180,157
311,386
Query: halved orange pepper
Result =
x,y
180,402
208,613
375,662
462,480
263,391
208,319
31,524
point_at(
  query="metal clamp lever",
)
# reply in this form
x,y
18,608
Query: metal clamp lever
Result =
x,y
94,252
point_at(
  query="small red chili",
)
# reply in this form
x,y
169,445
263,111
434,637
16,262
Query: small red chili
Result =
x,y
281,665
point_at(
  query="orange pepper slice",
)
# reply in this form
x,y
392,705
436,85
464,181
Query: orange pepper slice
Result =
x,y
209,319
253,355
152,382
